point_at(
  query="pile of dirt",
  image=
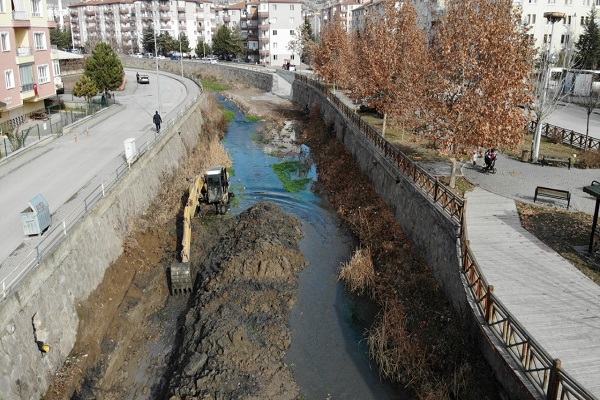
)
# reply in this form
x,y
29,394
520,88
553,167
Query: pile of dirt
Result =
x,y
236,332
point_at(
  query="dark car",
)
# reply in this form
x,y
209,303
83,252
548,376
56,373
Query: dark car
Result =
x,y
144,79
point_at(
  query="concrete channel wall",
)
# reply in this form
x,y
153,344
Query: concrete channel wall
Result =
x,y
431,230
51,294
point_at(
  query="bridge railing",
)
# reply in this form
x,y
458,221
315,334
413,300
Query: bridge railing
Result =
x,y
544,372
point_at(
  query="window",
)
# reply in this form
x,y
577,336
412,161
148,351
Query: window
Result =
x,y
36,8
274,7
291,20
274,32
564,39
43,75
551,1
4,41
56,67
275,57
293,33
291,7
2,10
26,77
274,45
9,77
39,40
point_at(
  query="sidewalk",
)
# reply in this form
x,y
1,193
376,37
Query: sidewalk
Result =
x,y
558,305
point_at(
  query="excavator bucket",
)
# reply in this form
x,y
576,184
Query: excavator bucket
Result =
x,y
181,279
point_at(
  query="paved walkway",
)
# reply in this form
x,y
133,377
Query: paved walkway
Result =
x,y
557,304
517,180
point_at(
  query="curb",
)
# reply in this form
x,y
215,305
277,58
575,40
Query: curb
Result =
x,y
93,119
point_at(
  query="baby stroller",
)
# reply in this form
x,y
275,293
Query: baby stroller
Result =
x,y
490,161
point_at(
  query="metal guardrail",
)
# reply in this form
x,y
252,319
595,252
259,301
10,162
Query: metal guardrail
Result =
x,y
567,136
57,232
544,372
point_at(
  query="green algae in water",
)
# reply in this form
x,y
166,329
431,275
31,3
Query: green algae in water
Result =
x,y
252,118
284,172
229,115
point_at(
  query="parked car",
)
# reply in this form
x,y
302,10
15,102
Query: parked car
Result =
x,y
213,61
138,55
144,79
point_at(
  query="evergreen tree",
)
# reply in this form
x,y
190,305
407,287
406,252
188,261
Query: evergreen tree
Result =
x,y
588,45
185,43
203,49
85,87
226,44
60,38
148,40
166,43
104,68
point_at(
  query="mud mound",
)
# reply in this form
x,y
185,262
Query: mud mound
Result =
x,y
236,332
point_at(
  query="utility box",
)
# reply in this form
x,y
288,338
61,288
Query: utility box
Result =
x,y
130,150
36,218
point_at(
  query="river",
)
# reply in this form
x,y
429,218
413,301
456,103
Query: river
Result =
x,y
328,352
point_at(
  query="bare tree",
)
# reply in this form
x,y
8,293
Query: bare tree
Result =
x,y
393,55
332,55
483,58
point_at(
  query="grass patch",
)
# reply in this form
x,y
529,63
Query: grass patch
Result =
x,y
260,139
284,172
229,115
462,185
214,85
252,118
561,230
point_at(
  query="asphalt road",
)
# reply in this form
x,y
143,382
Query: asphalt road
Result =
x,y
65,171
570,116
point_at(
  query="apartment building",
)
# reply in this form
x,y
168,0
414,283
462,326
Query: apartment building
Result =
x,y
231,15
26,61
122,22
268,27
344,9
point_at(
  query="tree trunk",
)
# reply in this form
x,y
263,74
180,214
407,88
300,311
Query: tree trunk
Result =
x,y
587,129
453,173
384,124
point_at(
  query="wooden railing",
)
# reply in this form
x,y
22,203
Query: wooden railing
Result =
x,y
544,372
567,136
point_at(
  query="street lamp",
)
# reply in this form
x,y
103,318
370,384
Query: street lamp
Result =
x,y
180,55
552,17
156,61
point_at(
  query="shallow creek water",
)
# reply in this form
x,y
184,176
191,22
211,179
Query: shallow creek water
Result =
x,y
328,353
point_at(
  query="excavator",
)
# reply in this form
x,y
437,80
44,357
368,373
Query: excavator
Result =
x,y
211,187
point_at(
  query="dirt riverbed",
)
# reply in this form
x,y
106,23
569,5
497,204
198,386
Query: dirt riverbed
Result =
x,y
136,341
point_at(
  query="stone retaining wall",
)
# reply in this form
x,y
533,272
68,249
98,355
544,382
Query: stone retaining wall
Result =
x,y
431,230
76,267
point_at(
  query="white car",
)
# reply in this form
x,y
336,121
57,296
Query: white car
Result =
x,y
138,55
213,61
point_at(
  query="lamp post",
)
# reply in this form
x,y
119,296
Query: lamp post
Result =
x,y
552,17
156,61
180,55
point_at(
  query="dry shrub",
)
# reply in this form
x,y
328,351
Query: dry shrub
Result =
x,y
588,159
359,273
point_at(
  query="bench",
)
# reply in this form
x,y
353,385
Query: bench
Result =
x,y
545,160
541,191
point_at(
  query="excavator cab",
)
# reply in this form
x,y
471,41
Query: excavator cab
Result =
x,y
217,189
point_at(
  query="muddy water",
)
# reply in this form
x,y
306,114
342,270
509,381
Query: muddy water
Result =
x,y
328,353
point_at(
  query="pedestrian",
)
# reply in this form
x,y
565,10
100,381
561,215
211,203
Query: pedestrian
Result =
x,y
137,77
157,121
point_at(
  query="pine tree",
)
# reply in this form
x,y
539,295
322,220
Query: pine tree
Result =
x,y
85,87
148,40
104,68
202,49
588,45
225,43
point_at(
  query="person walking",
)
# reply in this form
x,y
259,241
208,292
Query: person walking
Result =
x,y
157,121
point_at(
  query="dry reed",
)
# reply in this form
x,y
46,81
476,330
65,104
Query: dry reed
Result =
x,y
359,273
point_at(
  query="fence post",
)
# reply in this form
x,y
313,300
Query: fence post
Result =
x,y
488,304
37,254
553,381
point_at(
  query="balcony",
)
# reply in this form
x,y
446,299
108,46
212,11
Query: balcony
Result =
x,y
226,18
199,18
123,11
181,17
126,36
125,28
253,15
125,20
264,27
21,18
263,53
263,14
181,9
74,20
147,18
164,8
109,11
200,28
92,29
90,20
90,12
75,29
263,39
165,18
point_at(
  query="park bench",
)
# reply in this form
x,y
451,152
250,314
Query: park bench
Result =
x,y
555,160
541,191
